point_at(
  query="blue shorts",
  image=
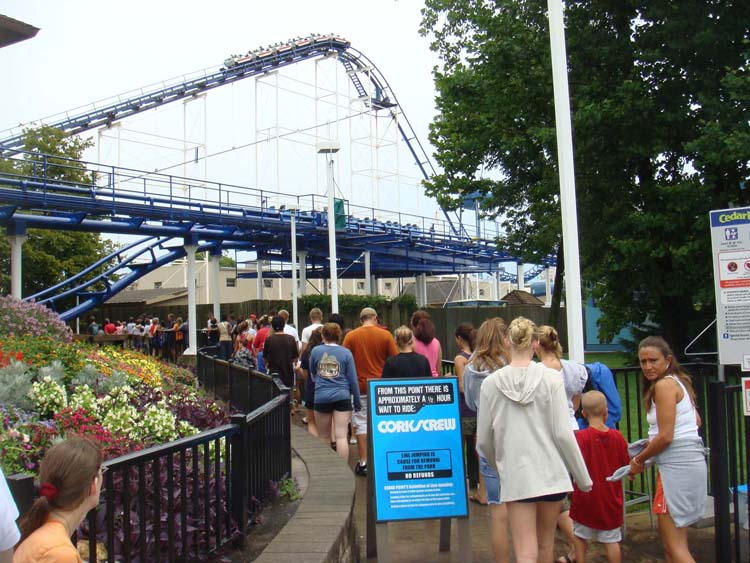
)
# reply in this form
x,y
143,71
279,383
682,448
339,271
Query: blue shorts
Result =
x,y
491,480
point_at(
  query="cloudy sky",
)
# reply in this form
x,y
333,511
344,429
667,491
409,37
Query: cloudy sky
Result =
x,y
90,50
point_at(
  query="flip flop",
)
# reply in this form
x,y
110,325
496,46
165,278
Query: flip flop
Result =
x,y
474,499
565,559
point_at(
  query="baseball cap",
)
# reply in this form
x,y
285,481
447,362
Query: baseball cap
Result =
x,y
277,323
253,316
368,312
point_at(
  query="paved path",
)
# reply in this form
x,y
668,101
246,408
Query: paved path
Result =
x,y
417,542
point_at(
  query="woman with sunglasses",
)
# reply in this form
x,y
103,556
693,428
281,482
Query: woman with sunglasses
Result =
x,y
71,476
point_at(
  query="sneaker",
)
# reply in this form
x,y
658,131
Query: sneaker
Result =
x,y
360,469
333,446
352,441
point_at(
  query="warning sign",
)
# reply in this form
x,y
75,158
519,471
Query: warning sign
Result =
x,y
730,241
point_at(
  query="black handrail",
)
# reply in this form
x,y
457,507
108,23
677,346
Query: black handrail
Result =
x,y
189,498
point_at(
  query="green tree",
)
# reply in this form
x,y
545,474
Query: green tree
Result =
x,y
659,95
51,256
224,262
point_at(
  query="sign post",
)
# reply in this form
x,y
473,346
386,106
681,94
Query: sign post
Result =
x,y
416,467
730,242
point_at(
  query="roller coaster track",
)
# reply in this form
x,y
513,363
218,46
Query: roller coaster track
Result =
x,y
254,64
120,200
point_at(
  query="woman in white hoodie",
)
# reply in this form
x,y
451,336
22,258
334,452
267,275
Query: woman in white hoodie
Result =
x,y
523,427
489,355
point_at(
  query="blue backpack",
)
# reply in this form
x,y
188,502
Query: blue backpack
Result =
x,y
601,379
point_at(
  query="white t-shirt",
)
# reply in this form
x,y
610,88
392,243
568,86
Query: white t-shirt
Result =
x,y
9,534
307,332
291,331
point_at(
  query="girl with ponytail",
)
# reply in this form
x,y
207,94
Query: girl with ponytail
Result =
x,y
71,476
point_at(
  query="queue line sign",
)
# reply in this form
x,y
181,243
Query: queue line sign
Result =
x,y
417,460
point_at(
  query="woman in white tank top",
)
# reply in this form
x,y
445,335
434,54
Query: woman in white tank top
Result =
x,y
673,423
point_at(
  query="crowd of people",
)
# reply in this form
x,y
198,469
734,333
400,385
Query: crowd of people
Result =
x,y
549,454
166,339
546,446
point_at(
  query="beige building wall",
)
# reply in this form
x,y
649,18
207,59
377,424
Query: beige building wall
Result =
x,y
233,289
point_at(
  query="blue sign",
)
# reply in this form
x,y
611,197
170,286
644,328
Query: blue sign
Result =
x,y
417,463
739,216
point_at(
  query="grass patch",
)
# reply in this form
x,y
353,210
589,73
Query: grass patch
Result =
x,y
610,359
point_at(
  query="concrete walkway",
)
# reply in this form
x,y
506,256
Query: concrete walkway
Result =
x,y
322,517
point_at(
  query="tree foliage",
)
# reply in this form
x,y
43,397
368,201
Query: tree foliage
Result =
x,y
51,256
659,93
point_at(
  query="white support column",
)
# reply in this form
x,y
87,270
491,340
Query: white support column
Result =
x,y
573,299
214,275
207,275
192,308
16,264
302,256
368,273
374,286
548,287
421,287
519,276
259,279
495,280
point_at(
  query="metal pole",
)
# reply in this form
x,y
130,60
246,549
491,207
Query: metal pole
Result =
x,y
332,239
259,279
302,256
192,316
573,302
719,470
368,274
295,310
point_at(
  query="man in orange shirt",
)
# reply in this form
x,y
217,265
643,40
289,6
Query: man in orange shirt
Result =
x,y
371,346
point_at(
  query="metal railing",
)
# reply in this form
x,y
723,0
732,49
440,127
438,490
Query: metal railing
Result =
x,y
186,499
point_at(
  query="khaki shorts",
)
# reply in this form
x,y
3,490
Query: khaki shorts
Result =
x,y
359,419
602,536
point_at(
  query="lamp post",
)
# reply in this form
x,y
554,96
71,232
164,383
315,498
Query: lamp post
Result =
x,y
573,304
293,208
331,148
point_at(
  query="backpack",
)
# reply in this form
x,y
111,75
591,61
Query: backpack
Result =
x,y
601,379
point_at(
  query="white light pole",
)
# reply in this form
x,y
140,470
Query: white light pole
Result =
x,y
331,149
573,305
295,307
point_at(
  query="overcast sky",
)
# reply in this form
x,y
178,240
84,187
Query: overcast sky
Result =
x,y
89,50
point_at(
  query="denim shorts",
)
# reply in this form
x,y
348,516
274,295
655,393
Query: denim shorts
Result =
x,y
491,480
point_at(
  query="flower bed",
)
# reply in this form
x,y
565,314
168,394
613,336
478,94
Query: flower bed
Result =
x,y
51,387
123,399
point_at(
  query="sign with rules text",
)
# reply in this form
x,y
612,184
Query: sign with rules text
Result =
x,y
730,241
417,462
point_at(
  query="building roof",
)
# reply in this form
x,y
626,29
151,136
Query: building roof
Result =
x,y
147,296
13,31
520,297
